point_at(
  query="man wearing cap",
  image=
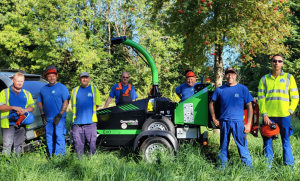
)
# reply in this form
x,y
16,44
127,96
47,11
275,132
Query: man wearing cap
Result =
x,y
123,91
14,101
278,98
85,101
186,90
53,102
232,98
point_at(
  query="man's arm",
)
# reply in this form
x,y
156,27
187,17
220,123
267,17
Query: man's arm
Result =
x,y
108,100
41,108
262,102
250,116
294,95
19,110
212,112
64,106
30,109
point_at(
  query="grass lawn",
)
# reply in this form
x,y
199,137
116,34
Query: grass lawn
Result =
x,y
191,163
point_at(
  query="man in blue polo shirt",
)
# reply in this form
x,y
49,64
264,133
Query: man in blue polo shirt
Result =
x,y
53,102
123,92
85,101
186,90
14,100
232,97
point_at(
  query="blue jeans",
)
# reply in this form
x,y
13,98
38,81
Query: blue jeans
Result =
x,y
286,130
55,136
236,128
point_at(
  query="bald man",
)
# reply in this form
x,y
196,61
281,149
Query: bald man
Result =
x,y
123,92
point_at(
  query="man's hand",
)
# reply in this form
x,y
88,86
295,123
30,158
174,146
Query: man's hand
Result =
x,y
216,122
19,110
44,119
247,128
267,121
57,119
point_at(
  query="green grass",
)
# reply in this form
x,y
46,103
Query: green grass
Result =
x,y
193,162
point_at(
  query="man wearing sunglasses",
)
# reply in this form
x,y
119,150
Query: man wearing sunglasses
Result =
x,y
278,98
123,92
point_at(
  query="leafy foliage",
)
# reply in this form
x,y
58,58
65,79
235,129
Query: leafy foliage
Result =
x,y
252,27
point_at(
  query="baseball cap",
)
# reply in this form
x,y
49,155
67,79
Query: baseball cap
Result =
x,y
190,74
229,69
84,74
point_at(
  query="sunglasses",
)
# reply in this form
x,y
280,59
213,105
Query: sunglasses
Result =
x,y
125,77
279,61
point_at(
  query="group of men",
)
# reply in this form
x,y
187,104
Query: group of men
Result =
x,y
53,102
277,98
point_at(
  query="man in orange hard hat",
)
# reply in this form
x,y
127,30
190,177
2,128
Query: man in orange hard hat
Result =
x,y
186,90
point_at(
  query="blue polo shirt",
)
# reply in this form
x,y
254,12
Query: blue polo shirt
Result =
x,y
53,98
19,100
116,93
232,100
84,106
185,90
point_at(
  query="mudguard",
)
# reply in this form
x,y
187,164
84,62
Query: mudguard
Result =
x,y
166,134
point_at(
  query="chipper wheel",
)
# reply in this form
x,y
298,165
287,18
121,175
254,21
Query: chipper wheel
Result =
x,y
163,124
155,149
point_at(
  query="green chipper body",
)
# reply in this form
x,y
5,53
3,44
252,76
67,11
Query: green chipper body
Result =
x,y
132,123
194,110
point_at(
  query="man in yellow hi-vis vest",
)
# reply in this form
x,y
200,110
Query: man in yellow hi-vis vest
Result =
x,y
278,98
14,100
85,101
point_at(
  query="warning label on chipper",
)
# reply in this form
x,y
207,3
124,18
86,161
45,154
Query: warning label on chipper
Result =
x,y
188,112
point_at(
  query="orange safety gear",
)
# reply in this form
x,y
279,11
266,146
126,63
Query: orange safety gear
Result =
x,y
190,74
127,91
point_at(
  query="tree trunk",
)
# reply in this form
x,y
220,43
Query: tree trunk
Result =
x,y
218,69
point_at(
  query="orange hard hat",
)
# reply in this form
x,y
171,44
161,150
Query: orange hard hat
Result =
x,y
269,130
190,74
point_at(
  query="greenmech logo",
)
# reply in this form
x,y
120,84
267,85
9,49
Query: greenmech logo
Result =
x,y
128,107
130,122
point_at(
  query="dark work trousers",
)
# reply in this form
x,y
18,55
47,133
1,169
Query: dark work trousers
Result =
x,y
13,136
82,132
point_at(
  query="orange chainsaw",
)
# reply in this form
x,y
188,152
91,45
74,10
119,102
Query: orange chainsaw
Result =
x,y
255,119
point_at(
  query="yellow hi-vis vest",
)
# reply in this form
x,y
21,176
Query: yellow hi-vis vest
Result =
x,y
96,99
4,99
277,97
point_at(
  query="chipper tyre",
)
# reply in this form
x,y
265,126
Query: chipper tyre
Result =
x,y
155,149
163,124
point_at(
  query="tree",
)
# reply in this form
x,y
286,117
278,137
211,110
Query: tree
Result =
x,y
253,28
